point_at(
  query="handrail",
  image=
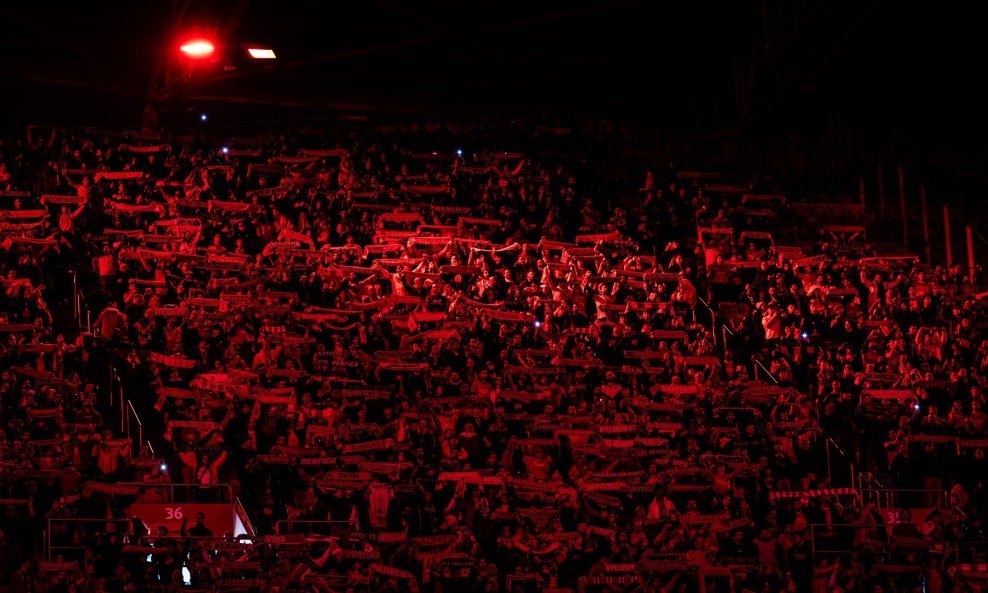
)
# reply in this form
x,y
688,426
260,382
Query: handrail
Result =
x,y
876,525
813,532
136,415
245,518
121,527
915,490
713,318
310,522
836,446
197,485
79,304
140,425
171,488
974,547
862,476
759,364
172,536
88,520
892,497
830,475
76,310
725,331
49,546
115,379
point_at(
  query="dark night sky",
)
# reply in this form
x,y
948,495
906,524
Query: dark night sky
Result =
x,y
629,59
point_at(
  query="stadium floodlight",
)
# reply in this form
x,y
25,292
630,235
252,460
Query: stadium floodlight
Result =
x,y
198,49
261,53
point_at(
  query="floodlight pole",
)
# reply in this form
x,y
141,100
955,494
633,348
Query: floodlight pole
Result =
x,y
167,77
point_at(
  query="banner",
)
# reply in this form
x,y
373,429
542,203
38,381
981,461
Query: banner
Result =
x,y
899,395
361,393
502,315
146,149
118,175
790,495
174,361
62,200
323,152
237,207
392,572
112,489
22,214
376,445
69,567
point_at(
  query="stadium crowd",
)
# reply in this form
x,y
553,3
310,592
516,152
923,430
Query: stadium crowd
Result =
x,y
419,365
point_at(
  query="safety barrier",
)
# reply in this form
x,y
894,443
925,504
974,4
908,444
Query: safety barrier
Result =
x,y
186,493
133,427
768,373
241,513
80,308
713,318
842,539
905,498
72,536
829,446
969,552
310,527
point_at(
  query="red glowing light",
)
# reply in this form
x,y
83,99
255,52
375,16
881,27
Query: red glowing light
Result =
x,y
198,49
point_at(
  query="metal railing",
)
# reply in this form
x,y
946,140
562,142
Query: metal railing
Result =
x,y
117,397
190,489
134,420
726,332
831,443
150,538
244,517
971,552
868,480
76,309
768,373
713,318
80,308
70,535
85,533
309,527
827,538
894,498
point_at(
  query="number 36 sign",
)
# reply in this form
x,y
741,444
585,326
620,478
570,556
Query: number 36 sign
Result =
x,y
219,517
